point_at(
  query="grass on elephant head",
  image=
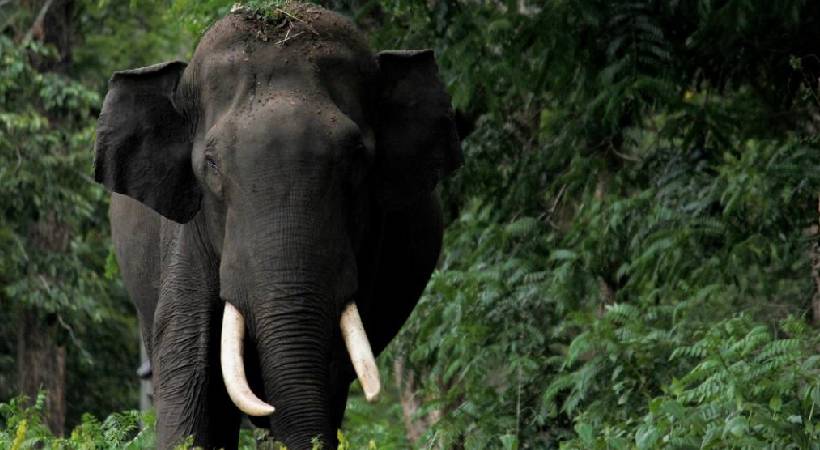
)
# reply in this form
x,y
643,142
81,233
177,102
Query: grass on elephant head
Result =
x,y
271,10
198,15
22,426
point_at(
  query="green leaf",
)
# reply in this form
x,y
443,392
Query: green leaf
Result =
x,y
509,441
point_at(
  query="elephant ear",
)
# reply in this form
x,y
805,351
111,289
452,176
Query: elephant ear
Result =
x,y
143,147
416,135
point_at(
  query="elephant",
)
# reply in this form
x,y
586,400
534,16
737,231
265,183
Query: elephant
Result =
x,y
280,186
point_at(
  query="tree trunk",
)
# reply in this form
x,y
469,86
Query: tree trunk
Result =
x,y
409,403
41,365
40,356
52,26
815,259
414,425
605,285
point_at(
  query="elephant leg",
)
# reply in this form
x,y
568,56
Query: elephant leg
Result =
x,y
135,234
189,394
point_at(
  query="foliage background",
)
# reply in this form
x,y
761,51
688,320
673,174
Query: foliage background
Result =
x,y
629,260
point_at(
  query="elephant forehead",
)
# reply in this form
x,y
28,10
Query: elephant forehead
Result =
x,y
230,86
313,59
282,28
234,65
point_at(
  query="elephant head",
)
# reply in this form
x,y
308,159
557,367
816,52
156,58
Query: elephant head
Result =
x,y
283,135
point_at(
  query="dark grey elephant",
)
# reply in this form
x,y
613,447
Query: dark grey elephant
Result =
x,y
280,180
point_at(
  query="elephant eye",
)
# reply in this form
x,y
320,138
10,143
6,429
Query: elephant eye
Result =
x,y
210,162
212,176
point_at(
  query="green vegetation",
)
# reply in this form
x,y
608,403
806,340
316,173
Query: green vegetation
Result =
x,y
54,235
25,429
632,245
633,264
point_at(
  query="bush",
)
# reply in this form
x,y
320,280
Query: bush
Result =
x,y
23,427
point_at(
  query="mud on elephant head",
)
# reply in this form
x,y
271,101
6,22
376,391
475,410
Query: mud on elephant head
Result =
x,y
301,166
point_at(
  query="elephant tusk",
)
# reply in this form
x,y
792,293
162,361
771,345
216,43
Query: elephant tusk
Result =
x,y
360,353
233,365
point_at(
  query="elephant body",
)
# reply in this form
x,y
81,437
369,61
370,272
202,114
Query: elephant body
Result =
x,y
404,253
289,172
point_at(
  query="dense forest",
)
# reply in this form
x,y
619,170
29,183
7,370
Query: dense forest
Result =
x,y
631,257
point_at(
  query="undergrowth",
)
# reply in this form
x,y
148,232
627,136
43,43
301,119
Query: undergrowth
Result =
x,y
22,426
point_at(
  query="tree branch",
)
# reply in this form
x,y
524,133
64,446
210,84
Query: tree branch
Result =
x,y
40,16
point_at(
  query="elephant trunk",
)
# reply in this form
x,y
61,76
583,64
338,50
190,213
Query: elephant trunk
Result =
x,y
294,340
288,282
